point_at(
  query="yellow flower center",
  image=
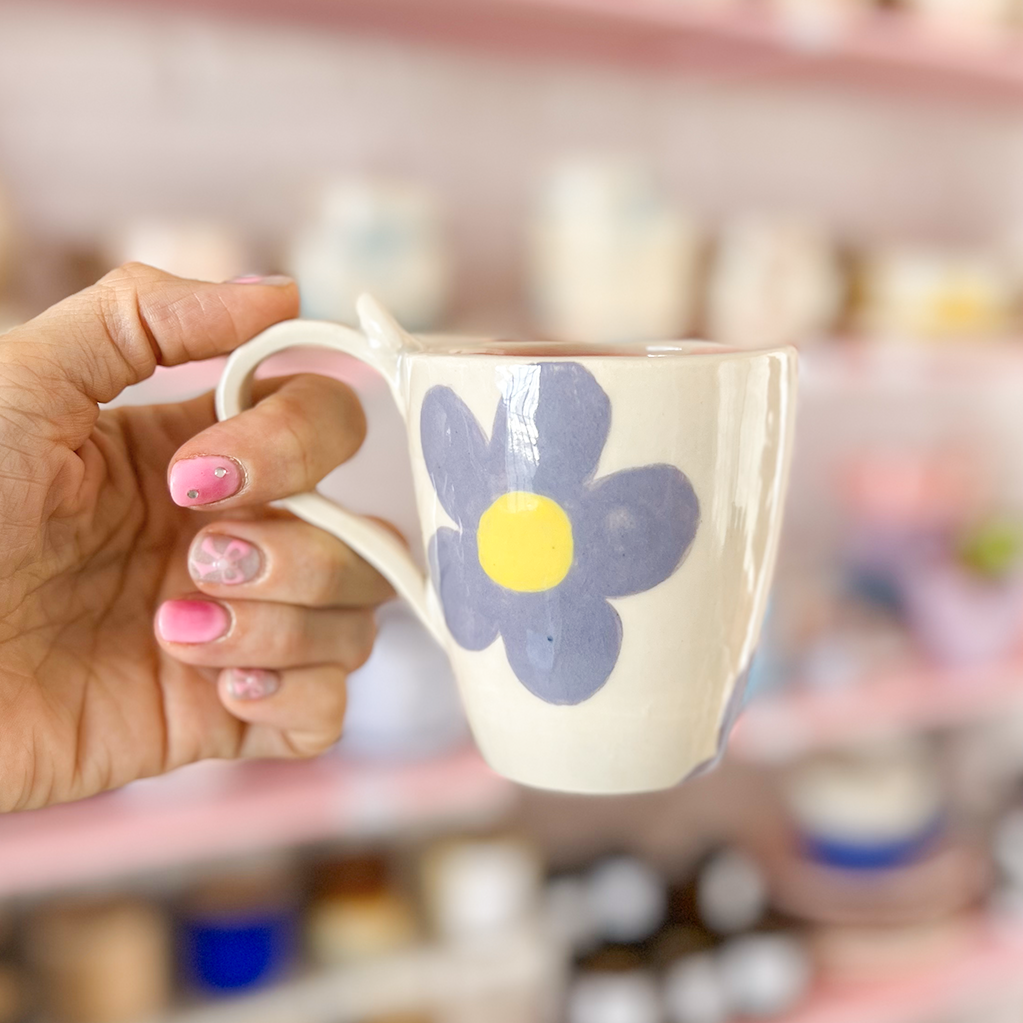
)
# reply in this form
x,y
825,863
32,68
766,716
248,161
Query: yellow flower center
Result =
x,y
525,542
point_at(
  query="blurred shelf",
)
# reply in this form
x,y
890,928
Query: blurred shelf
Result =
x,y
986,974
218,809
886,49
803,720
842,365
429,977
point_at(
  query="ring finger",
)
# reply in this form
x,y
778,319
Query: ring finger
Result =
x,y
294,712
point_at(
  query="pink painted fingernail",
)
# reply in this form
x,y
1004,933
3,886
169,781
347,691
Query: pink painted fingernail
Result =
x,y
204,480
216,558
192,621
277,280
252,683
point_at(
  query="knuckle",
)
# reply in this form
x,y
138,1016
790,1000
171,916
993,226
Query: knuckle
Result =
x,y
127,275
362,634
334,565
294,435
118,310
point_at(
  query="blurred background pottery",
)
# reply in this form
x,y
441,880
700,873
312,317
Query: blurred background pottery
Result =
x,y
841,174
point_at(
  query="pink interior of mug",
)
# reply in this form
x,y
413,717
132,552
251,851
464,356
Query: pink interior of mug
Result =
x,y
453,345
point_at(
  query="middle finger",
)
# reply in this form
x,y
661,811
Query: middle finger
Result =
x,y
284,560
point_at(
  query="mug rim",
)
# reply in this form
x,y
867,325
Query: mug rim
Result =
x,y
443,345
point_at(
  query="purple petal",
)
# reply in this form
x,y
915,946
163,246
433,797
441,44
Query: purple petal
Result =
x,y
455,453
633,528
550,427
733,709
562,644
472,603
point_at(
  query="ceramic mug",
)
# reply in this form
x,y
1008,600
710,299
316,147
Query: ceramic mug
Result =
x,y
601,525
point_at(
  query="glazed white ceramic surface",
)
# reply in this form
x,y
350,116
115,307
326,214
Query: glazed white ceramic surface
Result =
x,y
719,419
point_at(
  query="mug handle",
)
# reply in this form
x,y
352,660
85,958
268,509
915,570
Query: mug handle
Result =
x,y
380,348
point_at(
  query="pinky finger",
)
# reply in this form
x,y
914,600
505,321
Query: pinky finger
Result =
x,y
297,712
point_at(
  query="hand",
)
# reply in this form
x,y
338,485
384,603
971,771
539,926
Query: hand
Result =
x,y
258,616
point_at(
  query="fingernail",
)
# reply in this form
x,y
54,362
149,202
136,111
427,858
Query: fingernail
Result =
x,y
192,621
252,683
277,280
216,558
204,480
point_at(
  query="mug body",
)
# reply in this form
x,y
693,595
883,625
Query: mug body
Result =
x,y
602,531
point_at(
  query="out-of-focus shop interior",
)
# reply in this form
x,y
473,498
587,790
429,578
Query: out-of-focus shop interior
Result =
x,y
844,175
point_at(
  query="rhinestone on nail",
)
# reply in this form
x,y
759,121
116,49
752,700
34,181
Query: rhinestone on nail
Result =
x,y
220,472
193,494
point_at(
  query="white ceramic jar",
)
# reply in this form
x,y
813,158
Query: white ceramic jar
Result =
x,y
775,280
611,258
378,236
205,250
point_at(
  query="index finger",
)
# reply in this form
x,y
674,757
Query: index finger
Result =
x,y
115,333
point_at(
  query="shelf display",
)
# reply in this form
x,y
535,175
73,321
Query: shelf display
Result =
x,y
931,294
859,854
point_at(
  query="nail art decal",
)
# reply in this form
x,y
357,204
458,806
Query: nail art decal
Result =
x,y
252,683
217,558
205,480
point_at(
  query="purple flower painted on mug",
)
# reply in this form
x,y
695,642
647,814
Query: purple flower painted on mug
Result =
x,y
541,544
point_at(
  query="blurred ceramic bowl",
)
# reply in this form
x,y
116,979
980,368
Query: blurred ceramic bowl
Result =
x,y
952,877
875,808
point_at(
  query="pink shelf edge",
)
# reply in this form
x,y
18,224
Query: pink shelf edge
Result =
x,y
804,719
885,48
234,809
990,969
